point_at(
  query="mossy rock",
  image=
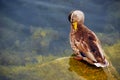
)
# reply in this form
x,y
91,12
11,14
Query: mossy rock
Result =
x,y
65,68
69,69
91,72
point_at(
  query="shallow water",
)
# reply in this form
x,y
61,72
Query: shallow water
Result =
x,y
34,33
65,68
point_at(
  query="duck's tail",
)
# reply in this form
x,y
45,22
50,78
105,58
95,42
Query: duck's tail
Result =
x,y
105,64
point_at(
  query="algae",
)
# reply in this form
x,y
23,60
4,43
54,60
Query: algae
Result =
x,y
65,68
91,72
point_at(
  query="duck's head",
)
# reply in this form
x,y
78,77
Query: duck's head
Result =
x,y
76,17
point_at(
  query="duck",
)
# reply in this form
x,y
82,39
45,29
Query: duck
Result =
x,y
84,42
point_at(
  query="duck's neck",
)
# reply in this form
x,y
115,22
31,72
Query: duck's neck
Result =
x,y
80,26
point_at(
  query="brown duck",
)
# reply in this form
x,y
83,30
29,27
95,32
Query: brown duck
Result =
x,y
84,42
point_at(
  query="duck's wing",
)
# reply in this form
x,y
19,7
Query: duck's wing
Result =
x,y
90,46
95,45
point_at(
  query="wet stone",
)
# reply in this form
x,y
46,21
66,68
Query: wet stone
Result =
x,y
65,68
70,69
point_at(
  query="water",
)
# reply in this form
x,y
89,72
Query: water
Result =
x,y
36,32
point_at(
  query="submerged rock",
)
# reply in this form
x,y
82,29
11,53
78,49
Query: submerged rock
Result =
x,y
69,69
91,72
65,68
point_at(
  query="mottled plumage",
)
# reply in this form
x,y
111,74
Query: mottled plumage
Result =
x,y
84,42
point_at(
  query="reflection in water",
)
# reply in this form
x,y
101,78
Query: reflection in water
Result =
x,y
91,72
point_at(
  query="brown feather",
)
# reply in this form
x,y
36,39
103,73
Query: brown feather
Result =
x,y
83,34
84,42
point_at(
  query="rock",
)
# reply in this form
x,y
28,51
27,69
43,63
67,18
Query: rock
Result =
x,y
67,68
